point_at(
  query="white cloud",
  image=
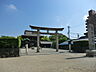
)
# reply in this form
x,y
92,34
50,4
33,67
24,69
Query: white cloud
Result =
x,y
85,17
12,6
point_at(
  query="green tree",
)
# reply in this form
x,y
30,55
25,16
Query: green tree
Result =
x,y
7,37
45,38
52,38
61,38
19,40
8,41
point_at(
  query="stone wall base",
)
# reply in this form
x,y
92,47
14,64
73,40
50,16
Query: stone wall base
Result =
x,y
91,53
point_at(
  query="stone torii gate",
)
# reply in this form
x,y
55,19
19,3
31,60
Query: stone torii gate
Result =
x,y
47,29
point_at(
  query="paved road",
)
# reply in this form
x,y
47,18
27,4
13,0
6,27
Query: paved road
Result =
x,y
52,62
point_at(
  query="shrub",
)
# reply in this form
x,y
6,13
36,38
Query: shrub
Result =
x,y
9,46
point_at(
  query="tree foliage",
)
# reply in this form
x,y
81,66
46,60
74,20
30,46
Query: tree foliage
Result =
x,y
9,46
9,41
45,38
7,37
52,38
61,38
19,41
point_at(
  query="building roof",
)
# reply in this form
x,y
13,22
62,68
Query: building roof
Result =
x,y
45,42
75,40
66,43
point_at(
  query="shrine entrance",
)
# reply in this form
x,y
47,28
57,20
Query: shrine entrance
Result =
x,y
38,32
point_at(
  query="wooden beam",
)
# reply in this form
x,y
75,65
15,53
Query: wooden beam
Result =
x,y
35,32
46,28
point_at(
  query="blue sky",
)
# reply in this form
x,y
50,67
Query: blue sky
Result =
x,y
17,15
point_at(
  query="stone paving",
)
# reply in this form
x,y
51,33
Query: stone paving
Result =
x,y
49,61
43,51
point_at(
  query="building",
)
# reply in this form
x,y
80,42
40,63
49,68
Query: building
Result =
x,y
33,40
77,45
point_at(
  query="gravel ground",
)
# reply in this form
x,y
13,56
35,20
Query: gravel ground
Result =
x,y
48,62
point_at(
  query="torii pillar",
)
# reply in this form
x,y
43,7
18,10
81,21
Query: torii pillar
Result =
x,y
38,40
57,42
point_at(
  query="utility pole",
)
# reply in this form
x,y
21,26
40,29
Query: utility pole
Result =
x,y
77,35
69,32
69,39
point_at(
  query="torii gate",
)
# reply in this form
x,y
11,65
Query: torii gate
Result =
x,y
47,29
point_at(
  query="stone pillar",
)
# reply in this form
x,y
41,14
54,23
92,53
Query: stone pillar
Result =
x,y
38,40
91,52
70,48
69,42
91,37
57,42
26,46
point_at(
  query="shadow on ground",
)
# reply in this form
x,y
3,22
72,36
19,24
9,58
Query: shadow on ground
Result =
x,y
76,57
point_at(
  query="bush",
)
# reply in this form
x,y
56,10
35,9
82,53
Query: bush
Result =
x,y
8,43
9,47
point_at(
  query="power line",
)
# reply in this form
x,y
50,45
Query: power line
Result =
x,y
75,26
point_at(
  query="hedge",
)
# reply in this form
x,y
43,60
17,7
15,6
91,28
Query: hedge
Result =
x,y
9,47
